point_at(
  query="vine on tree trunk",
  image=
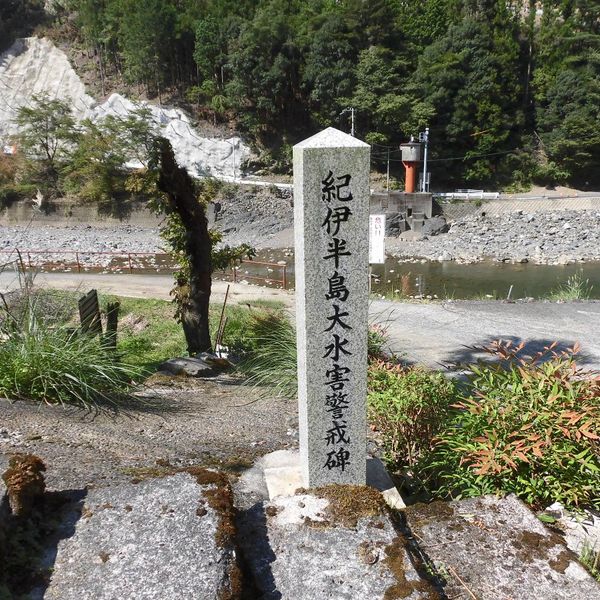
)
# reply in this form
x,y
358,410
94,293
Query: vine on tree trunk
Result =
x,y
183,202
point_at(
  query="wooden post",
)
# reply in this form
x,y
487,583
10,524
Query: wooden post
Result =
x,y
112,320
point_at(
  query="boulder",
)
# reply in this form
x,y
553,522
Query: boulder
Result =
x,y
497,548
434,226
335,542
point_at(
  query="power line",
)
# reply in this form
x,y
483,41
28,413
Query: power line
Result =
x,y
466,157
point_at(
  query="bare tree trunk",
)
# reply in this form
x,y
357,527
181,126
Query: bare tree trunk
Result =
x,y
177,184
101,63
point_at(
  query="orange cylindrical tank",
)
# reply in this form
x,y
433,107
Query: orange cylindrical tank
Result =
x,y
411,176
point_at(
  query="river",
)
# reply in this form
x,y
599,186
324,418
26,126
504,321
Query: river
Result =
x,y
487,279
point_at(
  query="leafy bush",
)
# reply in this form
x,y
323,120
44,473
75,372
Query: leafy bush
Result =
x,y
10,193
529,425
407,406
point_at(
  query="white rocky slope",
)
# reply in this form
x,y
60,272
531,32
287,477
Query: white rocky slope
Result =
x,y
36,66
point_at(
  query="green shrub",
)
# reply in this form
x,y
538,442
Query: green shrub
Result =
x,y
10,193
407,406
529,426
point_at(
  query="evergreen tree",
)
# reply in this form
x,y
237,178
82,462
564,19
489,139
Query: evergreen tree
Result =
x,y
472,79
567,92
146,38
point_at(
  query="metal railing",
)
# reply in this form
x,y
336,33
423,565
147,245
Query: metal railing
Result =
x,y
68,260
282,269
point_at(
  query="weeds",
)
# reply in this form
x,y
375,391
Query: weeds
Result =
x,y
576,288
590,558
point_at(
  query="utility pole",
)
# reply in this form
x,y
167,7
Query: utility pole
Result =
x,y
424,137
388,172
350,109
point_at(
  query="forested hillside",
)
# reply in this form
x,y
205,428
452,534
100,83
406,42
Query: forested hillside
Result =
x,y
509,89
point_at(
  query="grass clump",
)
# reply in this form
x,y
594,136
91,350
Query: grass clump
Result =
x,y
272,359
576,288
590,558
527,425
57,366
45,360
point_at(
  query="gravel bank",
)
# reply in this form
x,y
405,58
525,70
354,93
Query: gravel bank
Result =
x,y
80,238
262,218
545,238
265,220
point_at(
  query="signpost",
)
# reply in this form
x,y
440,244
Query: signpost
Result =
x,y
376,239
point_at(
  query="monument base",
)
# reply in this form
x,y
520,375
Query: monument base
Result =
x,y
283,477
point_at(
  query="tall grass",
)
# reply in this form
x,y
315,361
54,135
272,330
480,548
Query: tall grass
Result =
x,y
590,557
56,366
272,361
44,360
576,288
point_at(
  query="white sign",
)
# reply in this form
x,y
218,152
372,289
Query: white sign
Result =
x,y
376,239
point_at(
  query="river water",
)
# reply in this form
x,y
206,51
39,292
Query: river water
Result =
x,y
462,281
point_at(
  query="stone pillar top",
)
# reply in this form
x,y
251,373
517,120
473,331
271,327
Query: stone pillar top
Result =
x,y
331,138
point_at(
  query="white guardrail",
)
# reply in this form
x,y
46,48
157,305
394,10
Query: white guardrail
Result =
x,y
469,195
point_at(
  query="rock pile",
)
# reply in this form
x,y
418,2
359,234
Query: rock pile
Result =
x,y
545,238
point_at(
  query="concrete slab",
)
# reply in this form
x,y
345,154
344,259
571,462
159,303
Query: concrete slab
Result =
x,y
158,539
490,549
379,478
303,548
283,477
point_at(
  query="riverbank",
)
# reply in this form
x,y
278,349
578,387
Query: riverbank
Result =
x,y
552,238
265,220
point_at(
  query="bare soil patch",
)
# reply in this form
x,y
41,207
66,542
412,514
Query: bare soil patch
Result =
x,y
211,423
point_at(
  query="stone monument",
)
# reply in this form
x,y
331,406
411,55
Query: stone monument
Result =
x,y
331,222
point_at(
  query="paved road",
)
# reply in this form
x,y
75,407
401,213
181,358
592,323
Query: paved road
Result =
x,y
431,334
442,333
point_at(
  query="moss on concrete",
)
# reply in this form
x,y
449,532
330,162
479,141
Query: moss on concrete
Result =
x,y
395,557
347,503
